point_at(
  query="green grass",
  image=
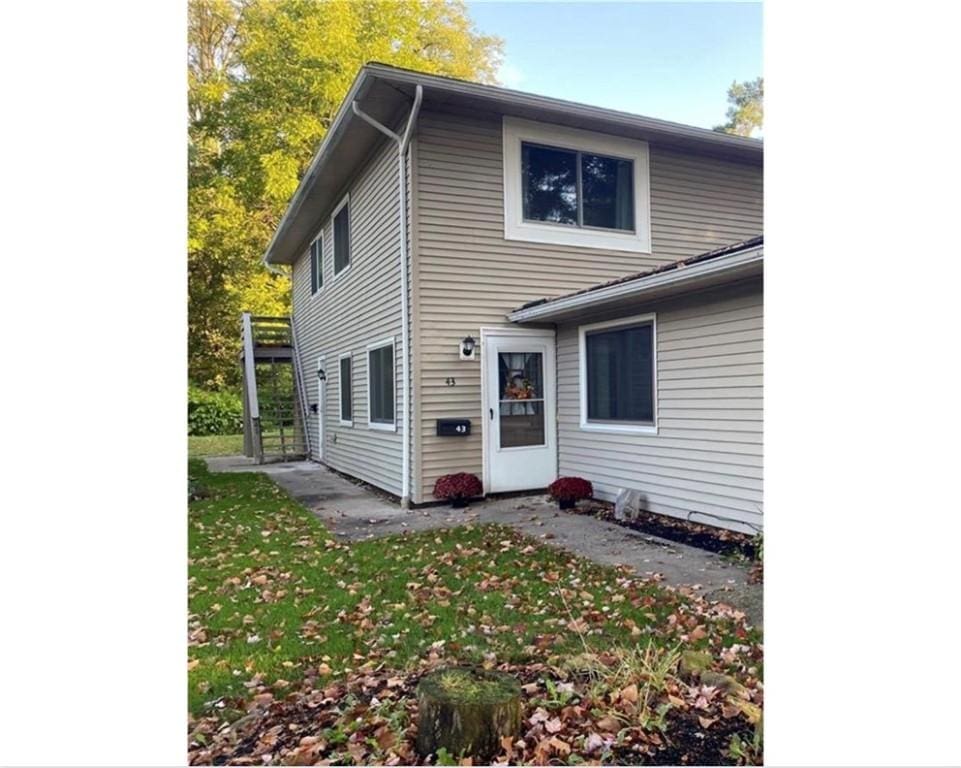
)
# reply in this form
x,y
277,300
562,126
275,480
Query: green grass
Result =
x,y
215,445
273,596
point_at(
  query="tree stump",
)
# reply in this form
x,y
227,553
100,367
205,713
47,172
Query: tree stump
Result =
x,y
467,712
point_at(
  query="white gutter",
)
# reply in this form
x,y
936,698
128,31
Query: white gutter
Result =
x,y
639,286
402,143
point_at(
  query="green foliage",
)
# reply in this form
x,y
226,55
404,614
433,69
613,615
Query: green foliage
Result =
x,y
265,79
213,413
747,752
746,111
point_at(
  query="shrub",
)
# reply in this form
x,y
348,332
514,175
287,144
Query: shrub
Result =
x,y
570,489
213,413
462,485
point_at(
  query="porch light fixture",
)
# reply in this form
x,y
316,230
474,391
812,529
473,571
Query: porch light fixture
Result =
x,y
467,347
321,374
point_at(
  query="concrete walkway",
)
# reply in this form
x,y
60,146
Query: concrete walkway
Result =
x,y
352,511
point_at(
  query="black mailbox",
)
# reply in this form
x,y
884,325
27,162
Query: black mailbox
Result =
x,y
453,427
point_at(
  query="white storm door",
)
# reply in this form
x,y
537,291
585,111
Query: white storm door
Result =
x,y
321,405
520,414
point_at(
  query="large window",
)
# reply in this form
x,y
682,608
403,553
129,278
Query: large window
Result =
x,y
618,375
380,385
346,391
572,187
576,188
317,264
341,235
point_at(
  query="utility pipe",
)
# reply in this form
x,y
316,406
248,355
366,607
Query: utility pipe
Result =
x,y
403,141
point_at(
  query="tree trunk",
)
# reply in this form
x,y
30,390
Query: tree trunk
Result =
x,y
467,712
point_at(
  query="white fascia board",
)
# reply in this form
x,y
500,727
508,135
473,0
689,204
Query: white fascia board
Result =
x,y
638,287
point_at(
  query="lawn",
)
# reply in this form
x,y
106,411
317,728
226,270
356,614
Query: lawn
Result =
x,y
215,445
306,635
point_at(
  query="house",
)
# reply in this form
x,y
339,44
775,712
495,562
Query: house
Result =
x,y
571,291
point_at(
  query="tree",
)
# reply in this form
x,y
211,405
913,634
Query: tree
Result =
x,y
265,80
745,112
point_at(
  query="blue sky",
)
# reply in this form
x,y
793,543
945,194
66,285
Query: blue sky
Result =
x,y
672,61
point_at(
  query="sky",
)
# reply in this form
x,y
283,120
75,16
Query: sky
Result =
x,y
673,61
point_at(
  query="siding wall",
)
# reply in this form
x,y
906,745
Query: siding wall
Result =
x,y
469,276
358,307
706,456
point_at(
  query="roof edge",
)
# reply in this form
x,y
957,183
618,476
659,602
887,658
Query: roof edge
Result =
x,y
717,264
526,98
494,93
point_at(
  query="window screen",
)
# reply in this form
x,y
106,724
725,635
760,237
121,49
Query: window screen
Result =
x,y
346,387
381,376
316,265
620,374
342,239
564,186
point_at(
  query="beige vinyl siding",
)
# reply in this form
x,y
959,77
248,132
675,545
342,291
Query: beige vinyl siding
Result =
x,y
469,276
358,307
706,457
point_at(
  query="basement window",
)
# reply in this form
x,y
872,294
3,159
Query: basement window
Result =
x,y
618,375
380,385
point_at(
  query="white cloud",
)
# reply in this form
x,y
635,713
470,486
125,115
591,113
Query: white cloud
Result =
x,y
509,75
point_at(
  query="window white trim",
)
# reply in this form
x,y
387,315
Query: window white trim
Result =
x,y
310,262
380,425
582,331
345,201
516,131
340,391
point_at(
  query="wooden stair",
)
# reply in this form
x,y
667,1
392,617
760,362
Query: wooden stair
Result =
x,y
275,414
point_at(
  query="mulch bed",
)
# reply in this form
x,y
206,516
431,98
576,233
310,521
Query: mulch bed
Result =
x,y
706,537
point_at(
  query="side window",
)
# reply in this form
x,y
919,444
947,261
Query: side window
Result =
x,y
341,230
317,264
346,391
380,385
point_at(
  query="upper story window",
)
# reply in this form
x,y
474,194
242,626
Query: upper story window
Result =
x,y
572,187
577,188
317,264
618,377
341,236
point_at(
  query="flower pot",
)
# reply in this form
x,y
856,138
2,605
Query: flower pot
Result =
x,y
566,503
459,502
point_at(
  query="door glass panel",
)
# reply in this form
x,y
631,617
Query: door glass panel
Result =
x,y
521,411
521,375
522,423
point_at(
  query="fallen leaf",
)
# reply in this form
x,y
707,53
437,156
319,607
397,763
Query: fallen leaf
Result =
x,y
609,723
706,722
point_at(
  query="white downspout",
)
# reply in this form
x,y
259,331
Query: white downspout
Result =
x,y
402,143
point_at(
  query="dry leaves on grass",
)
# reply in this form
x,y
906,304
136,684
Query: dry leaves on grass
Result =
x,y
370,718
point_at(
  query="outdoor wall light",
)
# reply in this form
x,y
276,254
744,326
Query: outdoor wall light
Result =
x,y
321,374
467,347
